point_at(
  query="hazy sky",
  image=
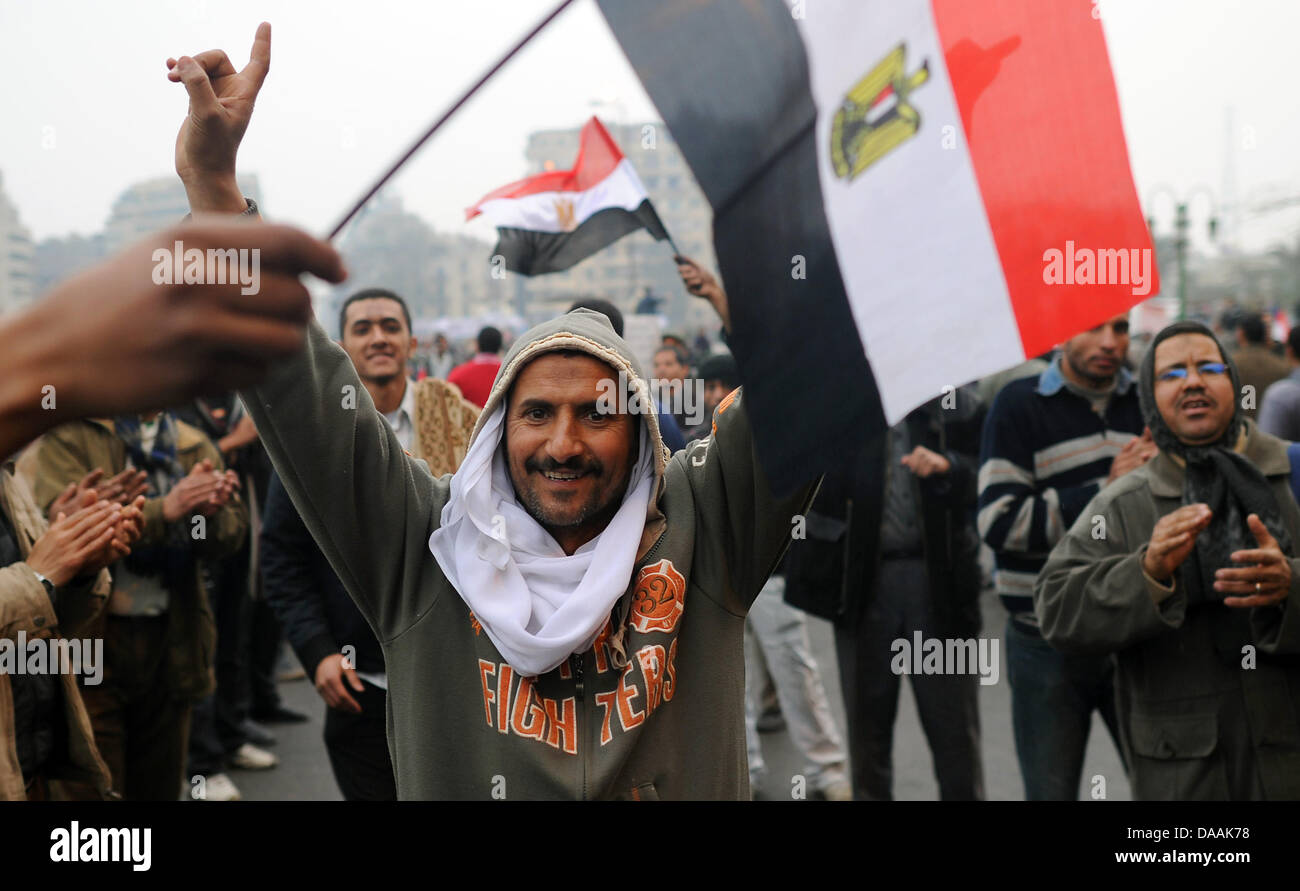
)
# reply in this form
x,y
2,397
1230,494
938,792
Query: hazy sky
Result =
x,y
87,108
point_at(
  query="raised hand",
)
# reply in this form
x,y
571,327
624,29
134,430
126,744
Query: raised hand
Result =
x,y
227,486
70,542
125,487
130,526
75,496
1134,454
221,105
700,282
1265,583
121,489
193,493
1173,539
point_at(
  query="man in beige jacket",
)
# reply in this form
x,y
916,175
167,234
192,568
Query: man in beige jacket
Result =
x,y
46,567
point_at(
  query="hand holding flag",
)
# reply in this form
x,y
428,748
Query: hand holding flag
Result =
x,y
700,282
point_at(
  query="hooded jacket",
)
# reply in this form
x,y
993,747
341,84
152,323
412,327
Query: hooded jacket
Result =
x,y
653,709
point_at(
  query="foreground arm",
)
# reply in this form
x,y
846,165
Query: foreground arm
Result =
x,y
81,349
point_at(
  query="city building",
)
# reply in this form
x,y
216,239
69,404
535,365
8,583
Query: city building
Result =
x,y
154,204
16,250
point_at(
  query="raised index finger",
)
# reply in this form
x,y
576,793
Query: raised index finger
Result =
x,y
259,60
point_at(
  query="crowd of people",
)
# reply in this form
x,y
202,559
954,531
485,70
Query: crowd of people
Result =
x,y
502,589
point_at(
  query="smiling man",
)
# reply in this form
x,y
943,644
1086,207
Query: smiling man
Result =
x,y
1185,568
569,463
375,330
563,616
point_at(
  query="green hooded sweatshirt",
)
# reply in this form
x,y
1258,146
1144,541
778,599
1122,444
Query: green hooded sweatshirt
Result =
x,y
653,710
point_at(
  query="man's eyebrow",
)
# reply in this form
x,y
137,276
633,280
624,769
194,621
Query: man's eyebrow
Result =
x,y
1181,364
532,402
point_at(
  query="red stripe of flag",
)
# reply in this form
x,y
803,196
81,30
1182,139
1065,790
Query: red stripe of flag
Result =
x,y
1022,67
598,155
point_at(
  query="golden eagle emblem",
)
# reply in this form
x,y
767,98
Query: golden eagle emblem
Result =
x,y
564,212
868,125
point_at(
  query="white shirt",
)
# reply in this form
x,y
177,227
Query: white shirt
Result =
x,y
403,419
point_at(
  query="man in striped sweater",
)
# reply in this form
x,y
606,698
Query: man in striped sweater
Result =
x,y
1050,443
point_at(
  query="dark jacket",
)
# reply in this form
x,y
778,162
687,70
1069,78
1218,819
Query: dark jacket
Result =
x,y
831,571
314,609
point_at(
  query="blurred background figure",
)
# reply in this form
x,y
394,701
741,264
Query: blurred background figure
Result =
x,y
1279,412
1258,367
442,361
891,553
474,378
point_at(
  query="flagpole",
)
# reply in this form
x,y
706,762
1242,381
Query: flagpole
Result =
x,y
537,29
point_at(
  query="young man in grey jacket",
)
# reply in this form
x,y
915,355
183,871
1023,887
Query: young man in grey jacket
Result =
x,y
564,616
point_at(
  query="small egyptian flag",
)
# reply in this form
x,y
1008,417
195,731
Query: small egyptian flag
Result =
x,y
907,195
549,222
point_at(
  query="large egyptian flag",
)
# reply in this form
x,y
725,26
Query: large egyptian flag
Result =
x,y
549,222
907,194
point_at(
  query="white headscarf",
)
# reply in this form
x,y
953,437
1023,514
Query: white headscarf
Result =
x,y
537,604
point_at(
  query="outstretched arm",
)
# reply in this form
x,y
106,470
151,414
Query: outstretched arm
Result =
x,y
368,505
81,349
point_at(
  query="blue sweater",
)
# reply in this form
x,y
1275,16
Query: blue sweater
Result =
x,y
1043,455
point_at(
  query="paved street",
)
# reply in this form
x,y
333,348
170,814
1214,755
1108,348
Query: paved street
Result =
x,y
304,772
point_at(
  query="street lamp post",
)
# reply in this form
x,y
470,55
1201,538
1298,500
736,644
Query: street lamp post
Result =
x,y
1182,222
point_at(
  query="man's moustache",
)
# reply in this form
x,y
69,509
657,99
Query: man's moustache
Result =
x,y
551,466
1201,395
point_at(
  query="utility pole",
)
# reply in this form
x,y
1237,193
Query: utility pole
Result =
x,y
1182,222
